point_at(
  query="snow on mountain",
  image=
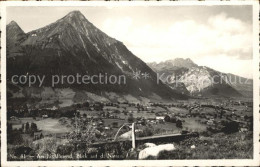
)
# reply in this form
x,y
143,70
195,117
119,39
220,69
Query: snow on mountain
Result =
x,y
199,80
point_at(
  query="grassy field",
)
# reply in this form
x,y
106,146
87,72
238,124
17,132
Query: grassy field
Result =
x,y
166,128
191,125
108,122
217,146
143,114
48,125
178,110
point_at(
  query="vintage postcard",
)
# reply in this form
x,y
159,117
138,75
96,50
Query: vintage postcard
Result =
x,y
129,83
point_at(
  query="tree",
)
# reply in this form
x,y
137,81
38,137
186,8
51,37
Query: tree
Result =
x,y
34,127
231,127
22,127
27,127
221,113
70,113
115,124
78,114
125,112
65,149
9,127
178,124
130,119
146,132
86,104
117,112
108,115
190,111
14,137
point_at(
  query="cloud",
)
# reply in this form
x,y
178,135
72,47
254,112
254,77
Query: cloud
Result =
x,y
228,64
227,24
220,36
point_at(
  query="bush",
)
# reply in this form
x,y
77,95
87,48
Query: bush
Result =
x,y
179,124
22,151
231,127
145,132
14,137
130,119
65,149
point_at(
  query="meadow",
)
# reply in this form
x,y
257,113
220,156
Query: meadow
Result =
x,y
47,125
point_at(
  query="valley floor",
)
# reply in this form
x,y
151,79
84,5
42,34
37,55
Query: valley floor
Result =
x,y
224,131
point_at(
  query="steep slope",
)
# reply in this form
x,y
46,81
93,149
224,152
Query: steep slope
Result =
x,y
241,84
73,45
170,72
198,80
15,35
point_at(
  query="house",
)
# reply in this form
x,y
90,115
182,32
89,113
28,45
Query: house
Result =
x,y
210,122
54,108
141,122
45,116
159,118
98,106
13,118
243,129
100,123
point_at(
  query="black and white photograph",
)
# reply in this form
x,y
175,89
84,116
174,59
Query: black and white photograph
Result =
x,y
129,82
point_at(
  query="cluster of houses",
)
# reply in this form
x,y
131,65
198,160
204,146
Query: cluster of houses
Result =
x,y
219,112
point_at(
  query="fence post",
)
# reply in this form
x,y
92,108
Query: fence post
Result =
x,y
133,135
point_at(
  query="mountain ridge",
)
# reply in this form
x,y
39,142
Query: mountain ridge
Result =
x,y
201,80
73,45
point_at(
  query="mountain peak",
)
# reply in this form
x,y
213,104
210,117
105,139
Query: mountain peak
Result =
x,y
13,23
15,34
173,64
74,15
78,21
14,28
181,62
74,45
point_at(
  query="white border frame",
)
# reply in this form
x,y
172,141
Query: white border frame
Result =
x,y
234,162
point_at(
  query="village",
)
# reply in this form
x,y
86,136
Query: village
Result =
x,y
96,122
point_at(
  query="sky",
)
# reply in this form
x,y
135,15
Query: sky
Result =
x,y
219,37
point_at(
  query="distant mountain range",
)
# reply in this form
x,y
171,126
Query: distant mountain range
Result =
x,y
73,45
201,80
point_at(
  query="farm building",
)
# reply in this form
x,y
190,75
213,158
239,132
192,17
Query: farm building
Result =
x,y
45,116
159,118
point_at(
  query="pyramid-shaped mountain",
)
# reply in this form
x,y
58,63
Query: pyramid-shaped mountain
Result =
x,y
74,45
